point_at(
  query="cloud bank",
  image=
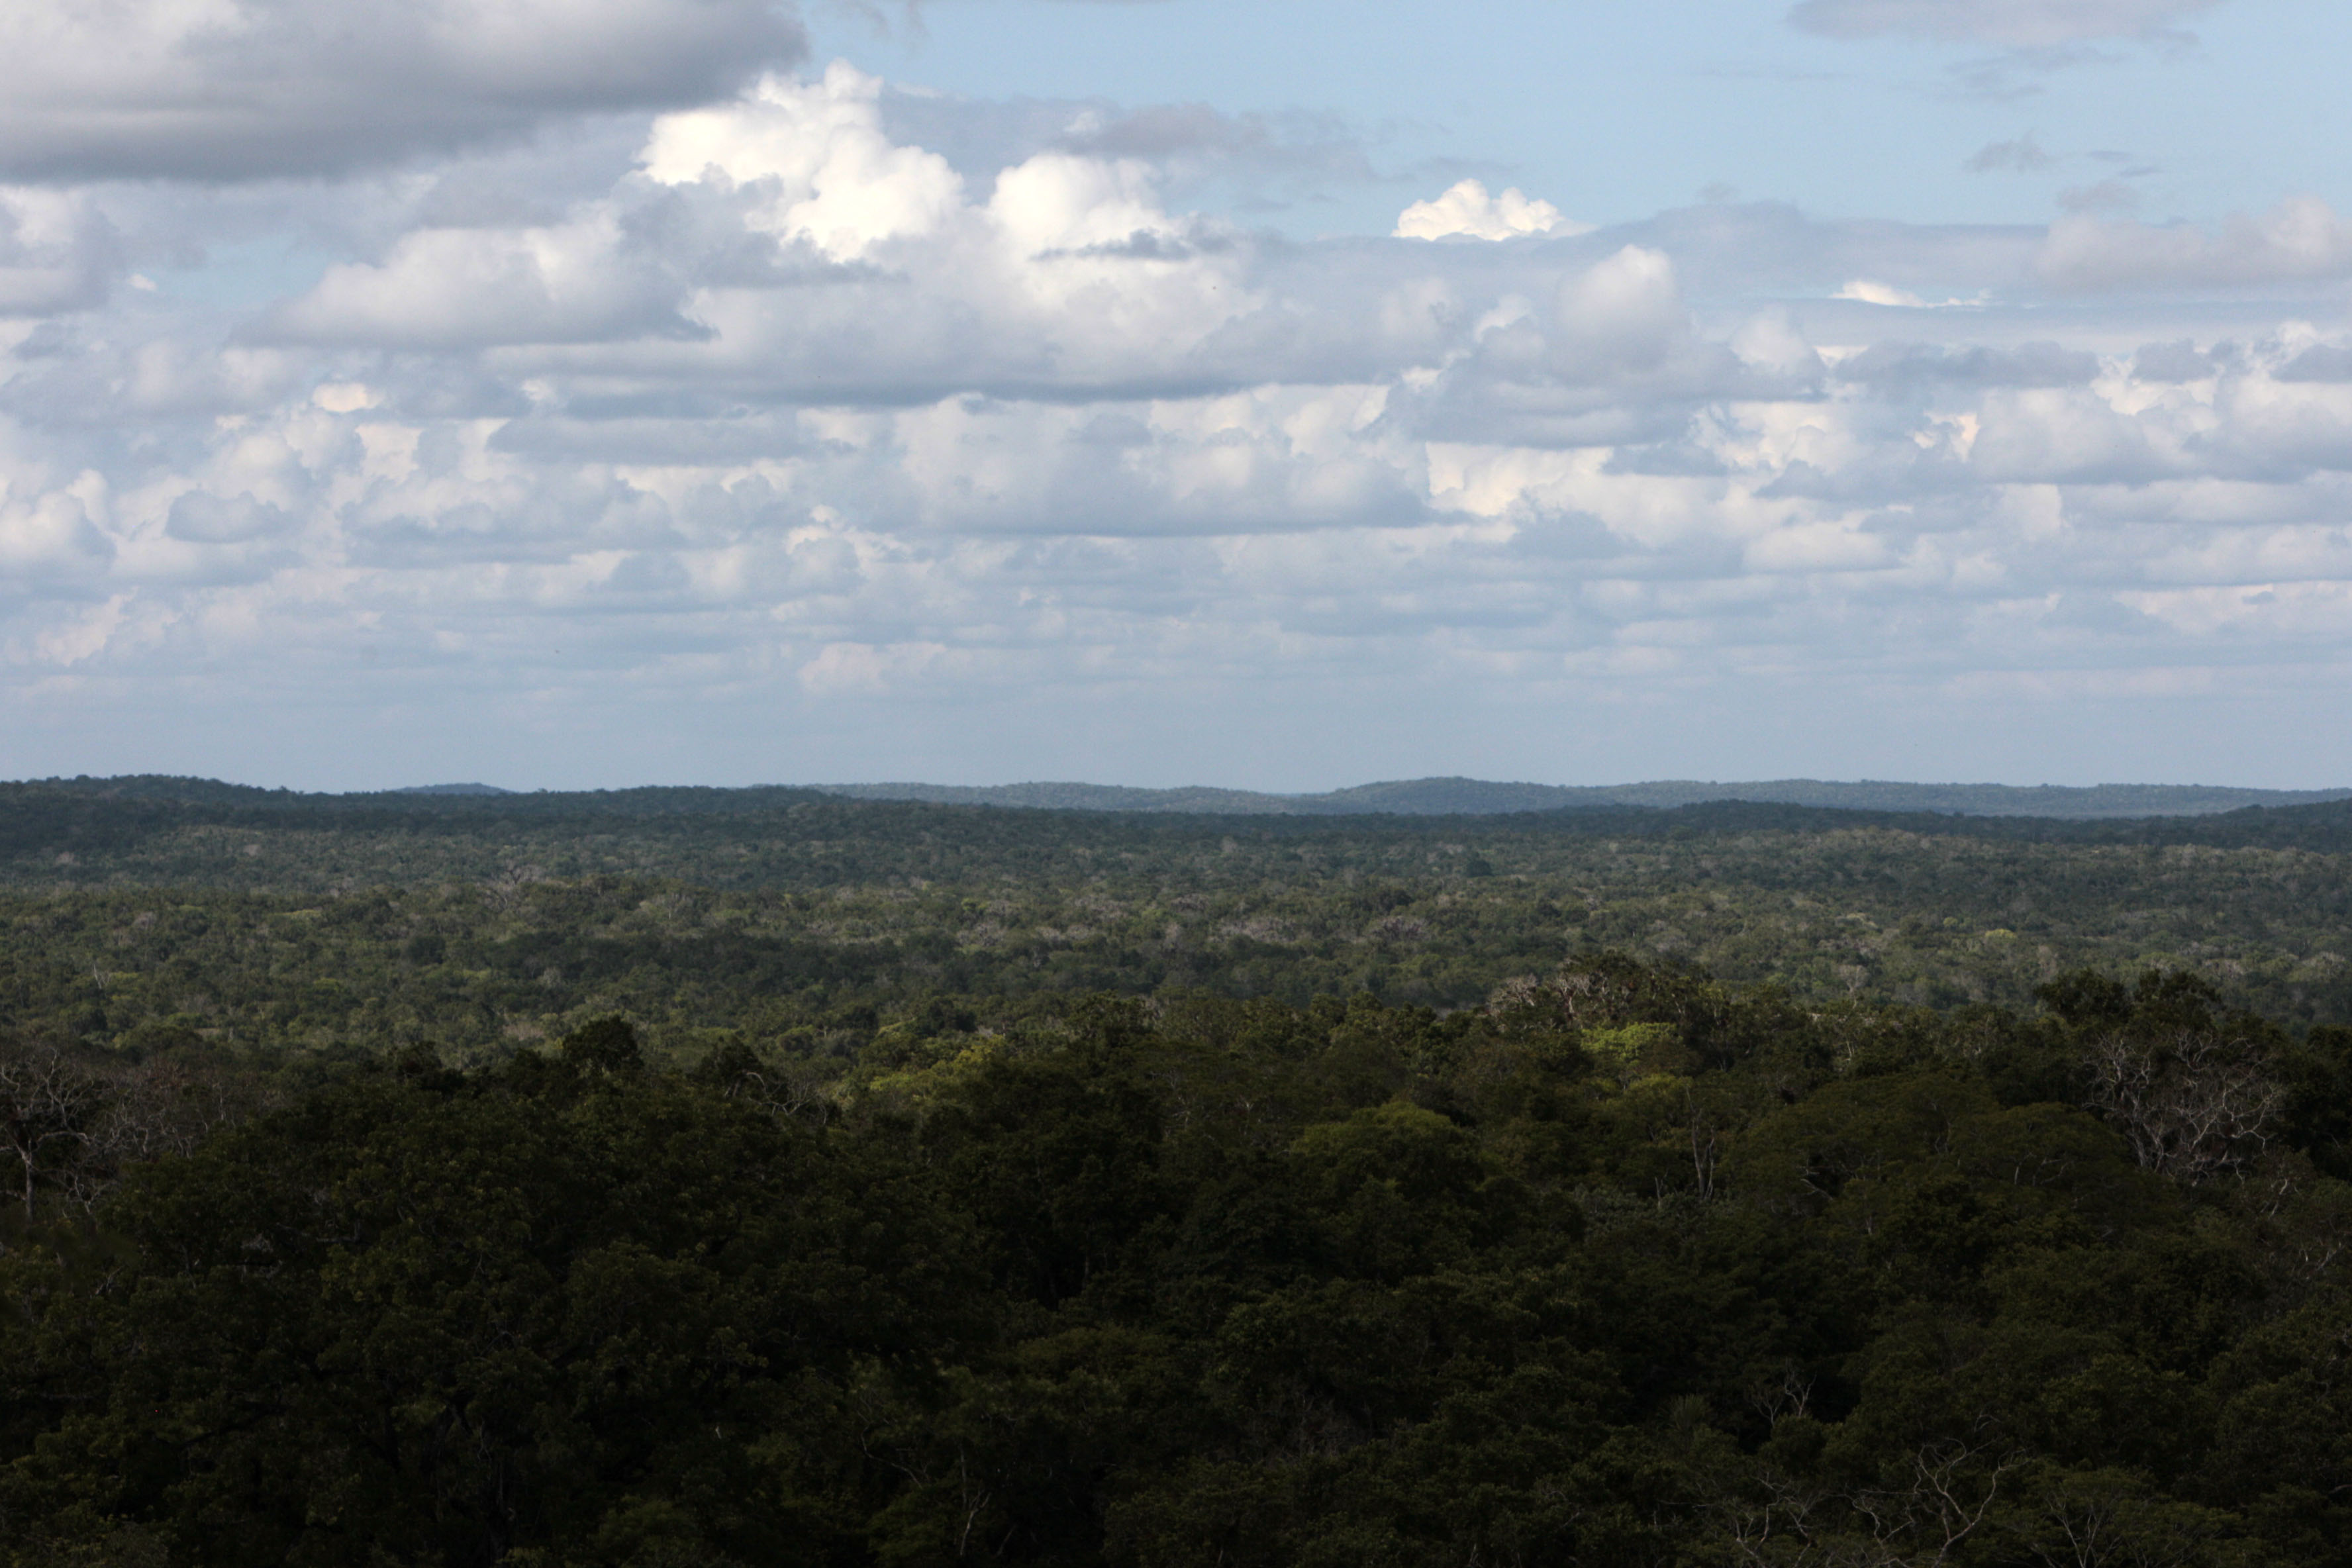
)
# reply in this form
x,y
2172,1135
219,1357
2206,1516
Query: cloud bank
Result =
x,y
766,422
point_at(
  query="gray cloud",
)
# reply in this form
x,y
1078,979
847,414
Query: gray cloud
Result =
x,y
2321,362
472,288
1254,161
2014,24
261,88
57,253
2105,197
2299,240
2171,363
1776,247
717,437
200,517
2024,156
1898,367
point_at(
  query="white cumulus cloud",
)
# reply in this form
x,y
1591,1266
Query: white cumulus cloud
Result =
x,y
816,151
1468,209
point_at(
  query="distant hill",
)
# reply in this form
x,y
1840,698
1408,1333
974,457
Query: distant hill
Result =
x,y
158,831
1403,797
1480,797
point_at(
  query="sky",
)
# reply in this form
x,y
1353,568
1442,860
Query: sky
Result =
x,y
1282,394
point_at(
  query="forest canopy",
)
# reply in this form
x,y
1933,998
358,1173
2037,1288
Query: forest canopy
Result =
x,y
1625,1266
996,1187
308,923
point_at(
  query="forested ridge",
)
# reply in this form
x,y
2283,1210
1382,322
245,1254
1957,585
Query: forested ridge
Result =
x,y
304,922
705,1181
1458,797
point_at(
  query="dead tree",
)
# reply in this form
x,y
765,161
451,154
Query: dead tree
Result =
x,y
2193,1102
53,1102
75,1120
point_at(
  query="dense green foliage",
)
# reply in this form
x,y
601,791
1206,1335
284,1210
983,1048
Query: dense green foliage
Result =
x,y
1625,1267
306,923
980,1185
